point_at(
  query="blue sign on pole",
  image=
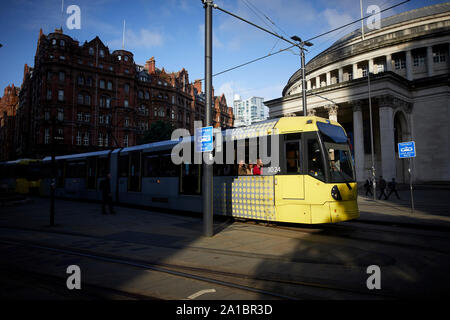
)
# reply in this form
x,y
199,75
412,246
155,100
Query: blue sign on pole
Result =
x,y
406,149
204,139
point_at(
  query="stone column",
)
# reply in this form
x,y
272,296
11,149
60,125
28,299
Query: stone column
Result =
x,y
409,75
358,140
318,82
355,71
388,62
332,111
371,66
388,170
308,85
341,75
328,78
430,61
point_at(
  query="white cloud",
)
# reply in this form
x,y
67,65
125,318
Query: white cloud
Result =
x,y
336,19
142,39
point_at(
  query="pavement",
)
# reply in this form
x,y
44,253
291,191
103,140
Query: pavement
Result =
x,y
311,254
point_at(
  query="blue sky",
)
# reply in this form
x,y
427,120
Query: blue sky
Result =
x,y
172,31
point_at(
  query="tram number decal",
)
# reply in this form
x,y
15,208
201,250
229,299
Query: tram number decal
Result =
x,y
273,169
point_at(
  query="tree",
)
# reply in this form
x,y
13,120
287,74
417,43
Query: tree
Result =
x,y
159,131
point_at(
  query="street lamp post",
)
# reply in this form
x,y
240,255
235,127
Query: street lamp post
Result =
x,y
208,173
301,44
371,140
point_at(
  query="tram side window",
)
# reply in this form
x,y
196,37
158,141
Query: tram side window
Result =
x,y
103,167
61,171
293,157
315,161
151,165
168,168
76,169
123,166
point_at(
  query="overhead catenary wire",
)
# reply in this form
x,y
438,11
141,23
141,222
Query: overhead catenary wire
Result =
x,y
293,45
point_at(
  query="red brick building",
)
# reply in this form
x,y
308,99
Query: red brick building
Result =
x,y
8,107
89,98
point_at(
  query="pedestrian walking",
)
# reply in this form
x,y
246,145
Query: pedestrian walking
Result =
x,y
392,188
368,185
382,184
105,186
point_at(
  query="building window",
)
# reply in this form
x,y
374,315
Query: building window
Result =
x,y
102,118
91,51
127,122
87,117
102,53
108,119
125,103
125,58
80,98
62,76
400,63
86,139
111,68
60,95
60,114
89,81
380,68
100,139
364,71
49,94
439,56
106,140
100,66
61,43
110,85
78,138
80,80
161,112
102,84
47,136
350,76
80,116
126,88
127,71
141,94
125,140
62,58
87,100
147,95
54,42
47,115
419,60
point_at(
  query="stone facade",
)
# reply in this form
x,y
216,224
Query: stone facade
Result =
x,y
408,61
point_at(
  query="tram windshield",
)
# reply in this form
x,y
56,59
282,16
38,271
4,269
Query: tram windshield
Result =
x,y
339,159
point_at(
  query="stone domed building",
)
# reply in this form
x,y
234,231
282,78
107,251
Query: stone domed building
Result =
x,y
408,60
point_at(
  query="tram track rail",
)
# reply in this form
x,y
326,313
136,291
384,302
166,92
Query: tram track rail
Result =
x,y
234,280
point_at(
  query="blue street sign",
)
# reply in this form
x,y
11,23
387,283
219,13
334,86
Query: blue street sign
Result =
x,y
204,139
407,149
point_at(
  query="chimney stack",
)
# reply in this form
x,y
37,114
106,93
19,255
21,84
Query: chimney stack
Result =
x,y
150,65
198,86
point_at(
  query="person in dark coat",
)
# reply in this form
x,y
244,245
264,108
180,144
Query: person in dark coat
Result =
x,y
368,186
105,186
392,188
382,187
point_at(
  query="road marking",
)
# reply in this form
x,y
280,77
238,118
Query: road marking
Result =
x,y
201,292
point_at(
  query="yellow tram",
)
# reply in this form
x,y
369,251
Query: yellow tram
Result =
x,y
313,183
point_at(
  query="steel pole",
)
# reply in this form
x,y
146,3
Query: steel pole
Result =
x,y
53,180
371,141
305,108
410,185
207,168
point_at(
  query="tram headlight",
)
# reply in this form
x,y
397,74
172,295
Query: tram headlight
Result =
x,y
335,193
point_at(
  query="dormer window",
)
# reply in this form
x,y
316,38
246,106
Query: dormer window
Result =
x,y
102,53
54,42
91,51
125,58
61,43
